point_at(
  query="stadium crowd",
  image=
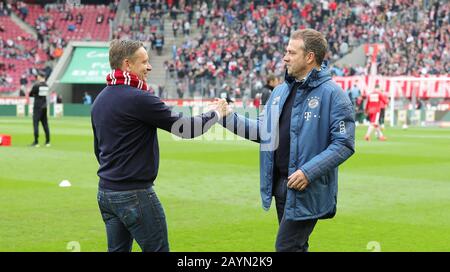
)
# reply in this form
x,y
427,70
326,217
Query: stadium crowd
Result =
x,y
238,43
18,50
235,44
55,24
416,40
145,23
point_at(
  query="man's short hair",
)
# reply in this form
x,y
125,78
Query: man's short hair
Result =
x,y
270,77
122,49
314,42
41,75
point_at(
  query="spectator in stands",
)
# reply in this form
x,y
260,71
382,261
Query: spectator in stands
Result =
x,y
23,84
68,16
113,5
161,93
271,83
174,51
257,102
47,71
23,10
225,93
87,99
173,13
159,44
186,28
79,18
71,27
59,98
3,81
53,97
354,93
180,90
4,9
359,110
100,18
175,26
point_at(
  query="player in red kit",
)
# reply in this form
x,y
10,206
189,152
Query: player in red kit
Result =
x,y
375,101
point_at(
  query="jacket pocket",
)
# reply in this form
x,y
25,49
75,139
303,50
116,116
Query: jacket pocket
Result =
x,y
313,201
304,204
324,180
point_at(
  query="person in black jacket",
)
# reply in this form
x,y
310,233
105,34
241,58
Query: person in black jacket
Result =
x,y
125,118
271,83
40,91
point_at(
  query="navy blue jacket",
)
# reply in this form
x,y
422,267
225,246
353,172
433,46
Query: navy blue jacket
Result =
x,y
124,121
322,136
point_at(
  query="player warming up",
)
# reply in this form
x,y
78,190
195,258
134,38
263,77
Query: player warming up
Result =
x,y
373,108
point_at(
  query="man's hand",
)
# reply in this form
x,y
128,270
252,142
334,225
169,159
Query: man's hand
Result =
x,y
229,110
220,106
298,181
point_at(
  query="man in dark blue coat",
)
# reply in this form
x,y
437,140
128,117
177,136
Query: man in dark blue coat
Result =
x,y
125,117
305,131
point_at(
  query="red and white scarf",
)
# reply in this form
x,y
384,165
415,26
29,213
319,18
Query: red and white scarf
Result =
x,y
119,77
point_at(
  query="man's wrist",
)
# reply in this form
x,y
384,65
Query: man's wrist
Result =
x,y
218,114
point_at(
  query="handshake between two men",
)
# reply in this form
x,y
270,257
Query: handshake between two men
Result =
x,y
221,107
191,127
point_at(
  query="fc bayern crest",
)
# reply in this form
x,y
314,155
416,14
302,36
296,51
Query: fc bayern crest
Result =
x,y
313,102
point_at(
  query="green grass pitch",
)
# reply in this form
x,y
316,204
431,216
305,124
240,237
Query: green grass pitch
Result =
x,y
394,195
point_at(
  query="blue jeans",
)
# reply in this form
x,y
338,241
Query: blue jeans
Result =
x,y
136,214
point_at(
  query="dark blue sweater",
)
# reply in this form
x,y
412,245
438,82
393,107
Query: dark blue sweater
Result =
x,y
124,121
282,152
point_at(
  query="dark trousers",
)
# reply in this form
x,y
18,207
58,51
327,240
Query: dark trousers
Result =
x,y
292,235
382,114
136,214
40,115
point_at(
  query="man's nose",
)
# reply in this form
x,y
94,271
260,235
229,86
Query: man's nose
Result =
x,y
149,67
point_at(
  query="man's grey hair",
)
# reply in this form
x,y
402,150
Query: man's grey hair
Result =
x,y
314,42
122,49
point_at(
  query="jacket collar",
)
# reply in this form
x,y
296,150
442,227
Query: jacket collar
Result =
x,y
314,77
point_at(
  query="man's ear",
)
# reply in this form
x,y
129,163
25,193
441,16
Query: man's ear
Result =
x,y
126,63
311,57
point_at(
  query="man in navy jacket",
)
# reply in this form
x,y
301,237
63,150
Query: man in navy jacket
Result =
x,y
305,131
125,117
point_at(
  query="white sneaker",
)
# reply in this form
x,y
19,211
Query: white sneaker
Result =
x,y
47,145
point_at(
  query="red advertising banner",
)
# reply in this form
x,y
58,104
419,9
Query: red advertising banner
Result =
x,y
424,87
